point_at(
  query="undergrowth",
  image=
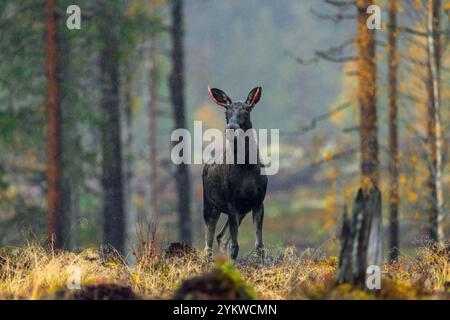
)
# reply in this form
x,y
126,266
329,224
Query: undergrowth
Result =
x,y
33,272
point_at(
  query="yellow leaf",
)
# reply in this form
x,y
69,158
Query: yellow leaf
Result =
x,y
402,179
111,264
446,6
412,196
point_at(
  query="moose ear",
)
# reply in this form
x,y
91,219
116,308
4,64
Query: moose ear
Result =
x,y
219,97
254,96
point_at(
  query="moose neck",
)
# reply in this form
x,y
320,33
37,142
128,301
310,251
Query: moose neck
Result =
x,y
245,156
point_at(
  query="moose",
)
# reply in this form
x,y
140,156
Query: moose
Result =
x,y
237,188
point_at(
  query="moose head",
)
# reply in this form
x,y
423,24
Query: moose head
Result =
x,y
237,113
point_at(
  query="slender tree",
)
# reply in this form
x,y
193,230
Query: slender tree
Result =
x,y
367,96
434,121
176,84
393,133
113,204
361,237
129,164
69,149
54,201
152,107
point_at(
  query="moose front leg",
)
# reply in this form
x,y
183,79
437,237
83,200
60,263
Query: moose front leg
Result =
x,y
233,224
211,216
258,217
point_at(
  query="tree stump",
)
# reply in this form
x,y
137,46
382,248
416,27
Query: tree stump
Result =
x,y
361,244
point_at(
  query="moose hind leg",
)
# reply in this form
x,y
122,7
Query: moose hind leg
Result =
x,y
221,236
258,217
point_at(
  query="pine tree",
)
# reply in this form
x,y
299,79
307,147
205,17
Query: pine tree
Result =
x,y
176,85
54,203
393,133
113,204
361,237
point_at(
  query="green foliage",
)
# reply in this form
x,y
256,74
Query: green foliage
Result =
x,y
223,282
228,270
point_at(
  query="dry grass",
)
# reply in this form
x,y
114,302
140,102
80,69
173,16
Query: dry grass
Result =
x,y
34,273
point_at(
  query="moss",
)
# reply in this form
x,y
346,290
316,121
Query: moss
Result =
x,y
224,282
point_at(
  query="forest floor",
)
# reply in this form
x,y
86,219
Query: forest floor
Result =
x,y
32,272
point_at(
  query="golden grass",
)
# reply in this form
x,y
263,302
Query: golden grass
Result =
x,y
32,272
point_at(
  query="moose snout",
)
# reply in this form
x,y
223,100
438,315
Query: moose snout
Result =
x,y
232,126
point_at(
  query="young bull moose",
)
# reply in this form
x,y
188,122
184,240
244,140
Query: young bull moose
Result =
x,y
237,188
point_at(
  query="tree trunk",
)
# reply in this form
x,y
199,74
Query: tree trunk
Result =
x,y
71,151
434,123
367,99
152,107
361,239
128,156
54,203
113,206
393,133
176,84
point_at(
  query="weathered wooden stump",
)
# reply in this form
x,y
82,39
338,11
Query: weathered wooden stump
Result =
x,y
361,238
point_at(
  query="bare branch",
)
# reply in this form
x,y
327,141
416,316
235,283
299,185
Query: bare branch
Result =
x,y
334,54
312,125
300,60
342,3
326,56
336,18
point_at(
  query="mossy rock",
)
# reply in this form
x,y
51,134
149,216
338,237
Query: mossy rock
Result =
x,y
223,283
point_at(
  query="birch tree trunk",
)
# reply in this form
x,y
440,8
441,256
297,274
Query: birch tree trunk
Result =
x,y
434,122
